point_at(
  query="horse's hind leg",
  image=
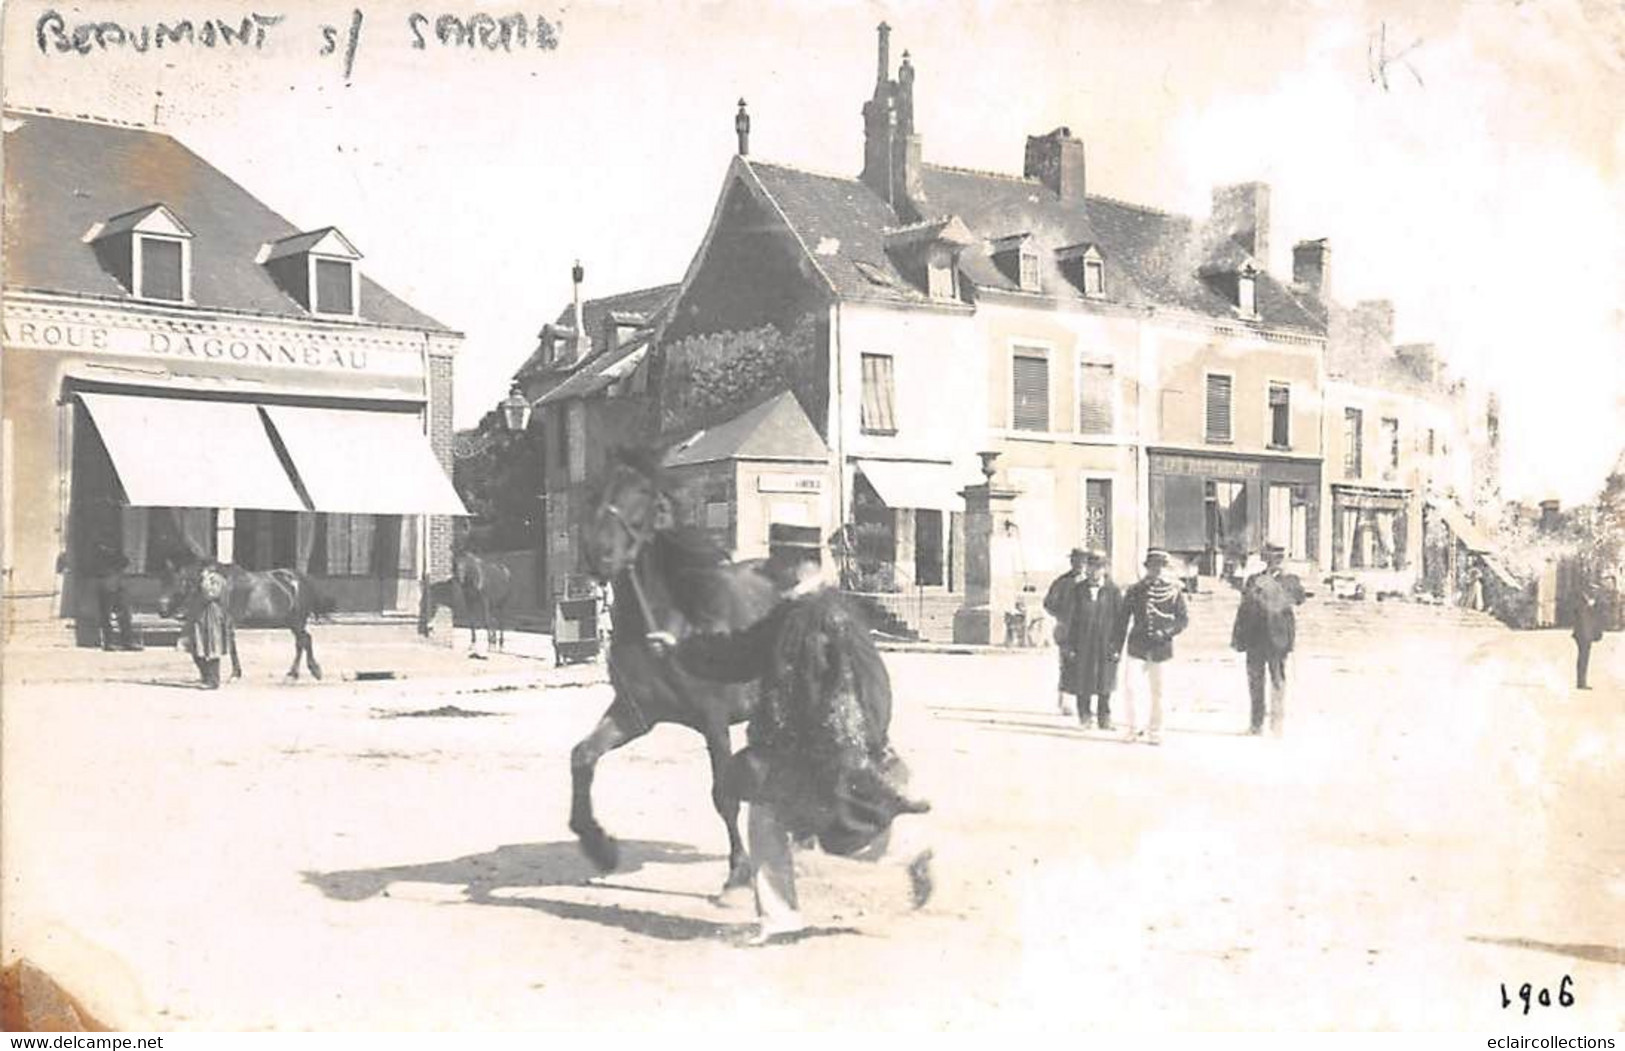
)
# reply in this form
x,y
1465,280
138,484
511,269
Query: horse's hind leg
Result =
x,y
310,651
724,798
298,649
231,642
615,728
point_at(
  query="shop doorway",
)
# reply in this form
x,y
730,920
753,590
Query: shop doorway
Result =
x,y
928,548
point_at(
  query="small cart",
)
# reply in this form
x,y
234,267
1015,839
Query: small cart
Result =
x,y
577,634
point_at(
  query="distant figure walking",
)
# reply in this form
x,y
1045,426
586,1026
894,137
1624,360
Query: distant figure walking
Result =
x,y
1266,630
113,619
1590,617
1086,607
1153,612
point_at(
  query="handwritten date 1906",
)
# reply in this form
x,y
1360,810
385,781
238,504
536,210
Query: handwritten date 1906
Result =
x,y
1529,995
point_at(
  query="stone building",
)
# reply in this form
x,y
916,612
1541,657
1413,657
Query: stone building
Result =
x,y
188,374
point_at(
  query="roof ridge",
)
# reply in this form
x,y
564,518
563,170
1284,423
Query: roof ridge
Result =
x,y
1030,181
83,118
802,170
986,174
1163,212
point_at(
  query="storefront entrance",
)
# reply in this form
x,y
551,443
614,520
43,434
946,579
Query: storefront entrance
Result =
x,y
1215,511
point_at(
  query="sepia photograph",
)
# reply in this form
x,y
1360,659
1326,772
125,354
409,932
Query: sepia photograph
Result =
x,y
813,515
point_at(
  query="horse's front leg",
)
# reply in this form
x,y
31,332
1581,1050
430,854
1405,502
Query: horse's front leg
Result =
x,y
615,728
310,652
231,644
725,798
298,651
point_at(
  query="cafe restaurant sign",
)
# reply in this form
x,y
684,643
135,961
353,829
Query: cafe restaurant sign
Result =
x,y
253,345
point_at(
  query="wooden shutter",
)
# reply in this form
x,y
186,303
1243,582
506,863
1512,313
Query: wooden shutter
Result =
x,y
1280,415
1030,377
1218,408
879,395
1352,425
1095,398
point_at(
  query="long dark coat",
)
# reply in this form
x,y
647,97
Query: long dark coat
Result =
x,y
818,739
1087,636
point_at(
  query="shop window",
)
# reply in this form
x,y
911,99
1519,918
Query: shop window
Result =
x,y
349,545
1030,387
1287,519
1280,416
1097,396
1353,424
1219,422
879,409
177,535
1371,538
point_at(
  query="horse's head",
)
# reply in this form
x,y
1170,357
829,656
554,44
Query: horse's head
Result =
x,y
631,510
435,593
180,582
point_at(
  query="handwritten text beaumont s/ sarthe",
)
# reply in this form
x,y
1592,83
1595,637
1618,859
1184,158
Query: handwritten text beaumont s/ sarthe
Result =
x,y
476,32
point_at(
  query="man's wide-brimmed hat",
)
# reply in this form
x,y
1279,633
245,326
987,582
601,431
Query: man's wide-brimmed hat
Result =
x,y
1077,554
1156,557
801,540
1274,550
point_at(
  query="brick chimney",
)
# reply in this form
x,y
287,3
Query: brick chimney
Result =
x,y
1243,212
1551,516
1311,267
1056,160
742,129
891,150
580,345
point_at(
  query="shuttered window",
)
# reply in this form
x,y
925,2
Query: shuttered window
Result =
x,y
1280,415
1353,422
879,411
162,263
1030,384
1390,441
1218,408
333,287
1096,398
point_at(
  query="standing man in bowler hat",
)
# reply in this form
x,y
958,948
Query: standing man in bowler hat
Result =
x,y
1153,612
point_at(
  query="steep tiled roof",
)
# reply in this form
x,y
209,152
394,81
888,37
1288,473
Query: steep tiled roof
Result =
x,y
649,303
1151,257
843,224
63,176
777,429
599,371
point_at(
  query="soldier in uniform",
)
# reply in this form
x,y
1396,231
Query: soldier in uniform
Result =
x,y
1086,607
1266,629
819,764
1153,612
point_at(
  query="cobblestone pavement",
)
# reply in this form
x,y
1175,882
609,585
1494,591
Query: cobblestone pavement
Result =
x,y
1441,817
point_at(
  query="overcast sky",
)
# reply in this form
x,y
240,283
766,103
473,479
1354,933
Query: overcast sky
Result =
x,y
1482,189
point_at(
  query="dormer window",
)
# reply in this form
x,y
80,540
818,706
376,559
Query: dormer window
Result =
x,y
1247,291
317,270
1017,257
1094,278
149,251
1084,267
927,254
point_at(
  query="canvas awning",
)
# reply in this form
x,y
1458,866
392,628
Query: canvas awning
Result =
x,y
355,461
1459,524
914,484
189,452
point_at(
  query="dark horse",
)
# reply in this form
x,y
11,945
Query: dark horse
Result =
x,y
276,597
479,586
677,581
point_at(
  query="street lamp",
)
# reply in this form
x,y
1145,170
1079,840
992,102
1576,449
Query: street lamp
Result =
x,y
516,411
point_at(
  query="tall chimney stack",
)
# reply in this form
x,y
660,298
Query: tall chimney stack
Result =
x,y
1056,160
742,129
1243,212
883,67
1311,267
581,344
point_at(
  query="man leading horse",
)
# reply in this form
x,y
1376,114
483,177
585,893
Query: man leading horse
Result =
x,y
819,764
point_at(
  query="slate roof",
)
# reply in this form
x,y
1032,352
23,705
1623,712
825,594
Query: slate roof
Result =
x,y
648,303
63,175
599,371
1151,258
777,429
